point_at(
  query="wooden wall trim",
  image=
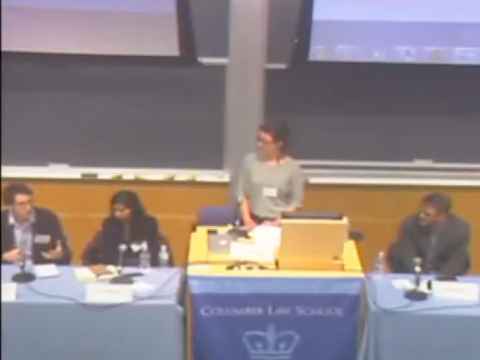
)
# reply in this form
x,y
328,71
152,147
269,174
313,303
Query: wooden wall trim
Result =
x,y
374,210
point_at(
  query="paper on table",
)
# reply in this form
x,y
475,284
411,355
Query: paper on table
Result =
x,y
252,252
109,293
455,290
9,292
407,285
142,288
46,270
267,234
84,274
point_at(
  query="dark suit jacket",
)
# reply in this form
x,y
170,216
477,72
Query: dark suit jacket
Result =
x,y
46,223
450,253
103,249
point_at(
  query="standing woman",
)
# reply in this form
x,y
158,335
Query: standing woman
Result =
x,y
270,182
128,224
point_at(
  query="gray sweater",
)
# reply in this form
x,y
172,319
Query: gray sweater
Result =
x,y
270,189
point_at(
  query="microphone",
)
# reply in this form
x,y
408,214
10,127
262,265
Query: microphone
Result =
x,y
125,278
416,294
236,212
23,276
122,248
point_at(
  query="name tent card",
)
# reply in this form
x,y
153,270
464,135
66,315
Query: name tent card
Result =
x,y
46,270
109,293
9,292
455,290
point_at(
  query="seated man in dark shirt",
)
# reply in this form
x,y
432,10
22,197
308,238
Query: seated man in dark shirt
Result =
x,y
30,232
436,236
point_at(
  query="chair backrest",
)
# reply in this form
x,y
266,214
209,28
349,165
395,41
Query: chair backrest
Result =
x,y
217,215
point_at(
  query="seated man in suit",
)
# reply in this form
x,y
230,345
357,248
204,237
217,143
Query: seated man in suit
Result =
x,y
436,235
30,232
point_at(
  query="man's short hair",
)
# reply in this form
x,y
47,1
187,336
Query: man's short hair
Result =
x,y
12,190
439,201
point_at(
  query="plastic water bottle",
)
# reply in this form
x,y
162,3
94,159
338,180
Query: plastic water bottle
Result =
x,y
380,263
144,257
28,265
163,257
26,250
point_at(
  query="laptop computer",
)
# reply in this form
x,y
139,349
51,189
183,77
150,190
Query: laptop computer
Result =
x,y
219,243
313,243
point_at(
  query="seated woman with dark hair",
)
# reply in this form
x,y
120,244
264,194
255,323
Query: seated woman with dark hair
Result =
x,y
128,224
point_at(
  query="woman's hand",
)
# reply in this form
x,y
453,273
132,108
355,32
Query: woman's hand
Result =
x,y
249,224
272,223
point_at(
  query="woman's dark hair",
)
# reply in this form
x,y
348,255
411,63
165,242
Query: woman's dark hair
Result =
x,y
279,132
130,200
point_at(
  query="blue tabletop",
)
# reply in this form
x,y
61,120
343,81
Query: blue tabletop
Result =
x,y
51,320
398,329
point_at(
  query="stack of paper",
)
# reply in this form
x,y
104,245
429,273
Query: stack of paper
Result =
x,y
240,251
268,235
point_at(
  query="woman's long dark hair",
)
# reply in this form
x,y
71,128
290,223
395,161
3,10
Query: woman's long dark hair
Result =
x,y
132,201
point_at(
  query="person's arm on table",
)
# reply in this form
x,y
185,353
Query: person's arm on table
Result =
x,y
153,239
457,261
10,253
245,214
61,253
11,256
402,251
104,246
242,195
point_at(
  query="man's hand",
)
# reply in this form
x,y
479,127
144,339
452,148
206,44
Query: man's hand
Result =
x,y
54,254
13,256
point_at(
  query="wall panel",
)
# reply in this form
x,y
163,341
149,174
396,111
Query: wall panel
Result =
x,y
374,210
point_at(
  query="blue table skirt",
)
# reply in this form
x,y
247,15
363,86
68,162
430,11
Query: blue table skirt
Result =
x,y
51,321
435,329
258,318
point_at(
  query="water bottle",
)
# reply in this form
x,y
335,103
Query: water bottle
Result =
x,y
163,257
26,250
144,257
380,263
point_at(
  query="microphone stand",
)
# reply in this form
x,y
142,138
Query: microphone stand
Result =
x,y
121,279
23,276
416,294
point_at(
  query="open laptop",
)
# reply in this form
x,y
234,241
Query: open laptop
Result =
x,y
219,243
313,241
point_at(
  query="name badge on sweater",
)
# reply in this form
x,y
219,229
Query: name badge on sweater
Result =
x,y
270,192
42,239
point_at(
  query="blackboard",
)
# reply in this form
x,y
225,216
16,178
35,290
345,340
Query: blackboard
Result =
x,y
145,114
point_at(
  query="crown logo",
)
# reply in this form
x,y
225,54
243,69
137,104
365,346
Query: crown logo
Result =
x,y
271,345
